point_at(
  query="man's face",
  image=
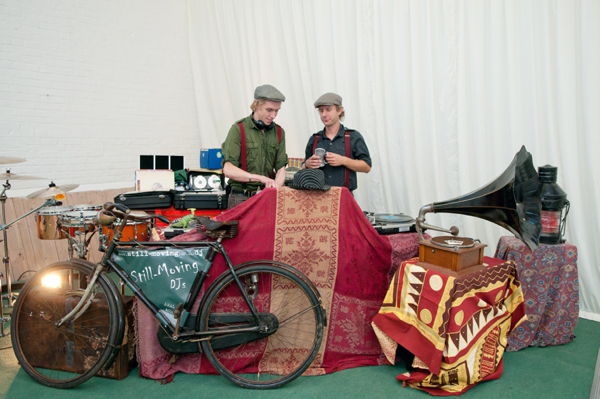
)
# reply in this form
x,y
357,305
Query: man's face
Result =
x,y
267,111
330,114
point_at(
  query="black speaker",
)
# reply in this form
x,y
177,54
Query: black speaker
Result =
x,y
176,162
146,161
161,162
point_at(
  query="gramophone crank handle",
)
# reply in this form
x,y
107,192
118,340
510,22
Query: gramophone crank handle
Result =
x,y
420,223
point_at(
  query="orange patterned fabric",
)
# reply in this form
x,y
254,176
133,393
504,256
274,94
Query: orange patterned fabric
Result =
x,y
307,236
457,327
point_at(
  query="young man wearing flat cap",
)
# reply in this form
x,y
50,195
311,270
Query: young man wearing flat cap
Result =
x,y
254,155
345,149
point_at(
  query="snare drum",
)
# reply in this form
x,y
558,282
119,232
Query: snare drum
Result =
x,y
48,224
133,231
78,222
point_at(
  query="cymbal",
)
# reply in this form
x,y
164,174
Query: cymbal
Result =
x,y
11,160
13,176
52,190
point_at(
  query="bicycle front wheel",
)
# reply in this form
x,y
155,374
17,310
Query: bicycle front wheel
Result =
x,y
282,351
65,356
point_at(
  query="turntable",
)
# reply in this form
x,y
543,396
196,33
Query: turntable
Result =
x,y
386,223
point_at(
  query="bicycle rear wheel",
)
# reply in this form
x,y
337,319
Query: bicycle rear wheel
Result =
x,y
65,356
287,306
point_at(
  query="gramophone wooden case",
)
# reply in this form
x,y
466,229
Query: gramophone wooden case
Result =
x,y
452,260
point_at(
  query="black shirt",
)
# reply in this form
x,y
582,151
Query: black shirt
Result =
x,y
335,176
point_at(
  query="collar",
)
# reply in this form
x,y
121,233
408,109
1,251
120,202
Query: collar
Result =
x,y
340,132
251,117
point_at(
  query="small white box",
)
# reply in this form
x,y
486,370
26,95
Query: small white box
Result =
x,y
154,180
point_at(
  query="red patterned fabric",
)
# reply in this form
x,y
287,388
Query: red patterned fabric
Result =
x,y
550,284
325,235
455,326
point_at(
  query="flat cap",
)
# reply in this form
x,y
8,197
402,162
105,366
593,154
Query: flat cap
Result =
x,y
268,92
309,179
329,99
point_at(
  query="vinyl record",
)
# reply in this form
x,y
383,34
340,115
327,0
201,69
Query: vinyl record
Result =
x,y
453,242
214,182
199,182
393,218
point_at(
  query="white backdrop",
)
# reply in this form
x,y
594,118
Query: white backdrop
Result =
x,y
445,93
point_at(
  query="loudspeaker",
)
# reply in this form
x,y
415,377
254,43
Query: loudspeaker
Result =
x,y
161,161
512,201
146,161
176,162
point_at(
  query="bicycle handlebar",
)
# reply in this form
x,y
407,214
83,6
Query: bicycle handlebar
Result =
x,y
109,214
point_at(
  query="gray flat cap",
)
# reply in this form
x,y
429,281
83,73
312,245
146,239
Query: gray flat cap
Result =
x,y
329,99
268,92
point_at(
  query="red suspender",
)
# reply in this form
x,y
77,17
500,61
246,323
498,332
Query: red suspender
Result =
x,y
348,153
243,146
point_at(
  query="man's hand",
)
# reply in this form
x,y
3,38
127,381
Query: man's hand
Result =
x,y
265,180
334,159
314,162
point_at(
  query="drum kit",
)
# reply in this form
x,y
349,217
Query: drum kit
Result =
x,y
55,221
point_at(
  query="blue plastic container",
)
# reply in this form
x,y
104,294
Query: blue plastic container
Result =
x,y
210,158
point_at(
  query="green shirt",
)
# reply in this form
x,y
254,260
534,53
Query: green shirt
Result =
x,y
261,149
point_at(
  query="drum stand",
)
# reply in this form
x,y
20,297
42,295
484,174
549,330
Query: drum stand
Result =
x,y
79,245
9,296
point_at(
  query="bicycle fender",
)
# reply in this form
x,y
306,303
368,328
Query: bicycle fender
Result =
x,y
120,311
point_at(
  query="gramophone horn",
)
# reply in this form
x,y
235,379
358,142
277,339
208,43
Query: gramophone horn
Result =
x,y
511,201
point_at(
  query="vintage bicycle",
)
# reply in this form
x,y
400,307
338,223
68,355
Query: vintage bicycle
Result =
x,y
68,321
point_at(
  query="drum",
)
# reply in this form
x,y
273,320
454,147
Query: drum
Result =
x,y
95,208
48,224
78,222
133,231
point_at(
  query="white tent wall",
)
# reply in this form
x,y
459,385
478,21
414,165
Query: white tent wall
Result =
x,y
445,94
87,87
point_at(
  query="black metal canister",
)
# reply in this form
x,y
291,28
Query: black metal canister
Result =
x,y
555,206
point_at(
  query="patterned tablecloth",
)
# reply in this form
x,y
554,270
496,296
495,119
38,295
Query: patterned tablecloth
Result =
x,y
457,327
550,285
325,235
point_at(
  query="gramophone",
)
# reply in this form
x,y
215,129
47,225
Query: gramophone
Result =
x,y
512,201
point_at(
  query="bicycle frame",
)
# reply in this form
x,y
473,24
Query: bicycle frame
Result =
x,y
107,264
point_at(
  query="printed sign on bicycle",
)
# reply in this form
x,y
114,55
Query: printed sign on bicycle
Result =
x,y
164,275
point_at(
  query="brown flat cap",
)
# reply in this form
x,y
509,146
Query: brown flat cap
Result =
x,y
268,92
329,99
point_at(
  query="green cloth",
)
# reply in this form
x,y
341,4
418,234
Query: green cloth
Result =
x,y
181,175
261,148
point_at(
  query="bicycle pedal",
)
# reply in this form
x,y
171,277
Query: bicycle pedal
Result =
x,y
173,358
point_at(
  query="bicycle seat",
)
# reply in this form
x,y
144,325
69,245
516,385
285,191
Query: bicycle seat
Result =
x,y
215,228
